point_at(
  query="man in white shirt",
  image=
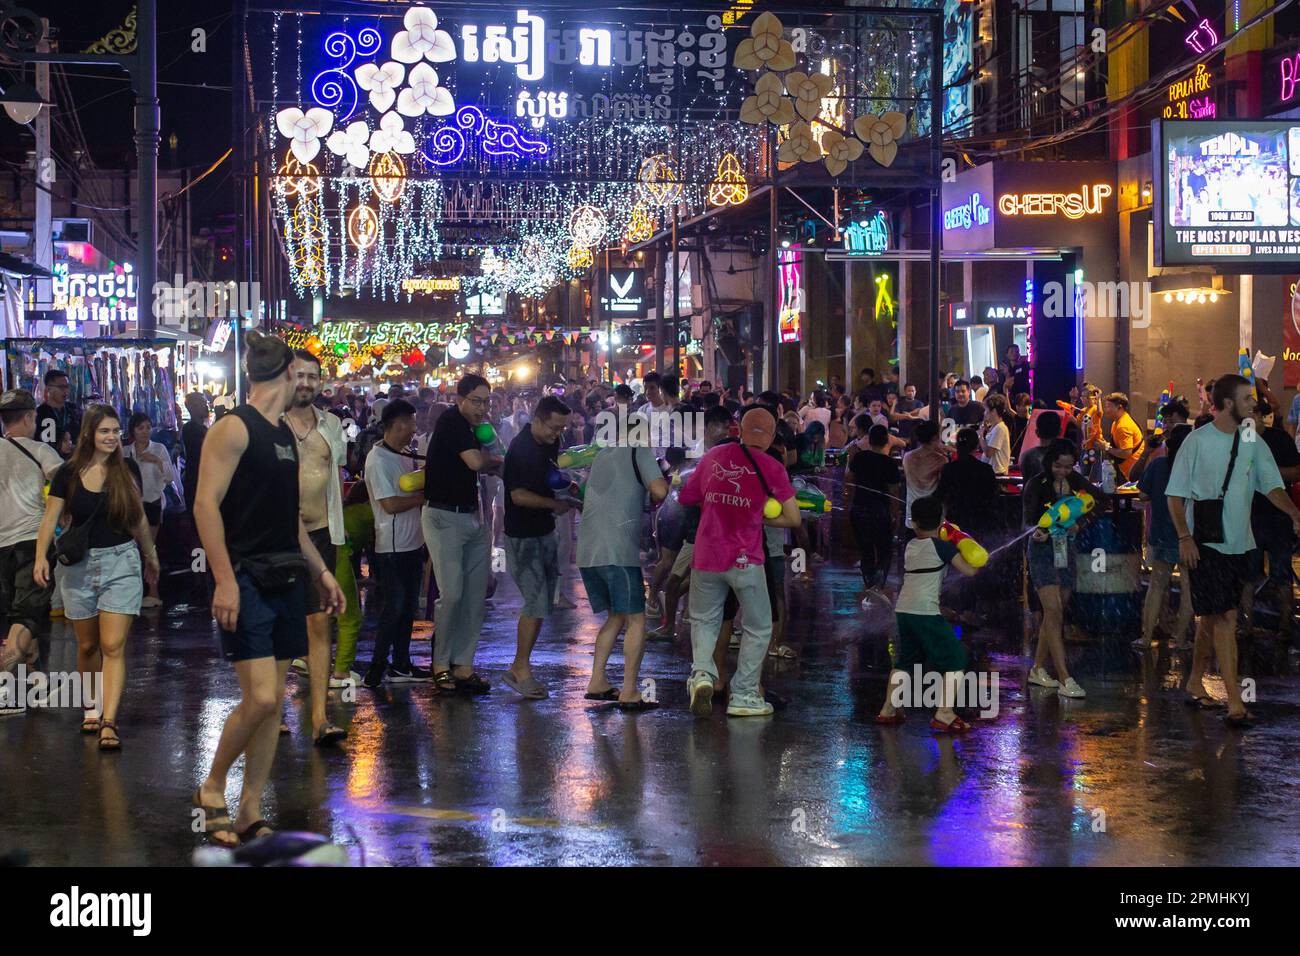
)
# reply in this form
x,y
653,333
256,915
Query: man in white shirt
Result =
x,y
1222,462
25,464
399,547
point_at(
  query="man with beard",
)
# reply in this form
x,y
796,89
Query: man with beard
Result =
x,y
262,559
321,452
1215,476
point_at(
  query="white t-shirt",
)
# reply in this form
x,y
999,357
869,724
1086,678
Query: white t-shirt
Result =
x,y
925,564
997,444
153,478
22,486
812,413
393,533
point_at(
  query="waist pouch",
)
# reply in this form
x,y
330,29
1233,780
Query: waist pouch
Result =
x,y
275,572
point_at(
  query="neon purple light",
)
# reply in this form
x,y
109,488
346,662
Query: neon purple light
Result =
x,y
332,86
495,139
1202,38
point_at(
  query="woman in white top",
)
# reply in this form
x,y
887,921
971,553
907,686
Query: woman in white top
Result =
x,y
995,436
156,473
816,411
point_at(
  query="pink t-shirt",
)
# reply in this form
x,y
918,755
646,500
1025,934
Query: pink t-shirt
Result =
x,y
731,501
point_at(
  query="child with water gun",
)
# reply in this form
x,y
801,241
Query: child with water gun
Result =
x,y
926,641
1055,502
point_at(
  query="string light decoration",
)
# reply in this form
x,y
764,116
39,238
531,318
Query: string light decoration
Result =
x,y
387,176
587,226
580,257
308,262
640,225
729,188
363,227
294,178
659,182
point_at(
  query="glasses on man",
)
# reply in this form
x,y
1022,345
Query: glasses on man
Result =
x,y
476,401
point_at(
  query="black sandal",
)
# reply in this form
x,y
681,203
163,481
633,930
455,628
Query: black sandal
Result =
x,y
109,746
444,680
329,735
636,706
611,694
249,833
473,684
216,819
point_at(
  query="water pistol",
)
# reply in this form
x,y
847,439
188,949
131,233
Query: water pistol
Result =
x,y
1069,409
809,498
1061,515
1247,371
579,456
1166,397
967,547
487,437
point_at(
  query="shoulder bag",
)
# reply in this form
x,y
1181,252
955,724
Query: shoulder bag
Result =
x,y
1207,513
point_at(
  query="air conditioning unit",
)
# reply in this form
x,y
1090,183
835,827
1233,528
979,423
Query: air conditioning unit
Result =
x,y
74,230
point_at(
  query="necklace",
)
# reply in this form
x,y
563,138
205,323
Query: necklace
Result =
x,y
293,428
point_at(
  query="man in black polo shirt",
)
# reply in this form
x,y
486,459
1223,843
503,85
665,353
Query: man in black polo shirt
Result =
x,y
532,548
965,410
456,536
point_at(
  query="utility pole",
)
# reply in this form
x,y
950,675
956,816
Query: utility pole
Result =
x,y
46,175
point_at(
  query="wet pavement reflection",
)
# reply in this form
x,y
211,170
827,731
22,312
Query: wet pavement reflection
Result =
x,y
1128,776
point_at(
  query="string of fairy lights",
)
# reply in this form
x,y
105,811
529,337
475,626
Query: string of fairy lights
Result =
x,y
396,137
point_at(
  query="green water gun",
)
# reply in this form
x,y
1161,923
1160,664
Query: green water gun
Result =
x,y
579,456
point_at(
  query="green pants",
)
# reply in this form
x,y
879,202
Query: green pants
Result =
x,y
349,621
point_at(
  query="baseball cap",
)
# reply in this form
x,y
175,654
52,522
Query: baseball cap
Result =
x,y
17,400
758,428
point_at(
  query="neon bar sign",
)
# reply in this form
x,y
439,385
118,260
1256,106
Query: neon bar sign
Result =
x,y
1076,205
1183,100
1202,38
494,138
870,236
969,214
1290,75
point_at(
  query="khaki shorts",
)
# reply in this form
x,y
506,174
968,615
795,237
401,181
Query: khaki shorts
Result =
x,y
682,566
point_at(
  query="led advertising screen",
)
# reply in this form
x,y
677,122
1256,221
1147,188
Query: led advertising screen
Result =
x,y
1228,194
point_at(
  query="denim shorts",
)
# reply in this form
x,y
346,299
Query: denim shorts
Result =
x,y
1043,571
270,624
615,589
107,579
535,566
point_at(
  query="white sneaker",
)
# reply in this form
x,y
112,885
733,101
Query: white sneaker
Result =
x,y
749,705
352,680
1039,677
299,666
1071,688
700,689
734,642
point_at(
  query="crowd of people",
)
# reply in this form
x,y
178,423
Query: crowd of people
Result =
x,y
306,497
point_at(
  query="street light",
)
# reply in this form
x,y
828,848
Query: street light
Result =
x,y
22,103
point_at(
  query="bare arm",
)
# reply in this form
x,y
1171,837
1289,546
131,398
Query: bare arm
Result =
x,y
964,566
658,490
222,449
399,503
478,460
50,520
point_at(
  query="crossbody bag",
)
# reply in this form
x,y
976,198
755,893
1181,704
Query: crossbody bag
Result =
x,y
1207,513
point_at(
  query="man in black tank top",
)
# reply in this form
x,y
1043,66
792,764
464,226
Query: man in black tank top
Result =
x,y
259,553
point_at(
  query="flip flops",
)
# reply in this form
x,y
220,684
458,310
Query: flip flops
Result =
x,y
893,720
958,726
636,706
444,680
530,689
253,831
329,735
611,694
473,684
1240,720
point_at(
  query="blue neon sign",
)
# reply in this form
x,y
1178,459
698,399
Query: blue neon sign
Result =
x,y
973,212
334,86
448,143
870,236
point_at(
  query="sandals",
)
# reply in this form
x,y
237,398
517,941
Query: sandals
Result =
x,y
255,831
611,694
329,735
473,685
783,652
1246,719
891,721
216,819
113,745
444,680
636,706
1205,702
958,726
90,723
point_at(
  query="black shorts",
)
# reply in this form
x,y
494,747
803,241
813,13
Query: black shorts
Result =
x,y
24,601
321,539
270,625
153,512
1217,581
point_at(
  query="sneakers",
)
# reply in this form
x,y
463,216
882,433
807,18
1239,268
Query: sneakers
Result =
x,y
1071,688
700,689
409,675
660,634
299,666
1039,678
374,679
352,680
749,705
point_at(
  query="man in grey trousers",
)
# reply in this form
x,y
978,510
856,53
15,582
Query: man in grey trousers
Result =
x,y
459,540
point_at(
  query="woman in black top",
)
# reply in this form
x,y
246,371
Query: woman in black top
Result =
x,y
98,492
1052,559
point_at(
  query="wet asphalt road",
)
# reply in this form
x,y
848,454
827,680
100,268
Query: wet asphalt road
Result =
x,y
1128,776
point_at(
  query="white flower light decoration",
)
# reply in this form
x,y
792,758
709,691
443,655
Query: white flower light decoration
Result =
x,y
351,143
304,130
799,146
381,82
391,136
422,39
808,90
424,94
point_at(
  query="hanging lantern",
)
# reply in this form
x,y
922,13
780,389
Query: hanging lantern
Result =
x,y
729,188
640,226
579,257
387,176
363,227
